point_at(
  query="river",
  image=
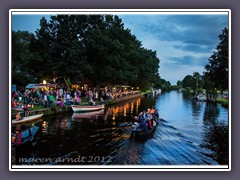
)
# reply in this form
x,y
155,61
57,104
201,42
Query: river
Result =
x,y
189,133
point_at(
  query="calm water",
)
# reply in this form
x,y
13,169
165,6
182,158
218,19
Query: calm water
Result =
x,y
189,133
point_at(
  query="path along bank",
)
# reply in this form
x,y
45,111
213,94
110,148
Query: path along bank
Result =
x,y
67,108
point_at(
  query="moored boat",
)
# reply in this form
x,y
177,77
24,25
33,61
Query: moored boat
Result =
x,y
201,97
88,115
79,108
28,134
27,119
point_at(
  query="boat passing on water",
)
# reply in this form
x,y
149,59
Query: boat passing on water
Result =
x,y
140,134
79,108
27,119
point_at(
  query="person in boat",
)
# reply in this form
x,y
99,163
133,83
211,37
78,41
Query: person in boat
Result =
x,y
143,126
18,116
156,114
135,123
145,115
17,137
148,111
152,111
140,116
150,122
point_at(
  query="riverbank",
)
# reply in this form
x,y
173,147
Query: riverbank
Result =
x,y
58,110
123,98
222,101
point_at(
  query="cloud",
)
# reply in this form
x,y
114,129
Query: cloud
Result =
x,y
183,42
187,60
175,72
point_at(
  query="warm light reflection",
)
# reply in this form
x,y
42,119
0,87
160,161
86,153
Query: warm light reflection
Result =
x,y
44,126
137,107
124,109
122,137
63,124
132,105
125,112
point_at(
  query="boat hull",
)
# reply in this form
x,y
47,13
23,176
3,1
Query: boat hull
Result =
x,y
77,108
88,115
138,134
27,119
29,134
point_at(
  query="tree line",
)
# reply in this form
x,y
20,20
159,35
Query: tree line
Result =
x,y
96,48
215,77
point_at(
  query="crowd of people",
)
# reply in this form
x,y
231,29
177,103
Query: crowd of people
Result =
x,y
60,97
145,120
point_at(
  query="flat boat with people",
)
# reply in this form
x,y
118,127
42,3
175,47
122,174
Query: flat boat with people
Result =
x,y
144,134
27,119
143,128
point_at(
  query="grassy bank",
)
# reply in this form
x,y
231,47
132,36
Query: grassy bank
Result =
x,y
222,101
146,92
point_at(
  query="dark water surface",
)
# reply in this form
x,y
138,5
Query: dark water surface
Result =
x,y
189,133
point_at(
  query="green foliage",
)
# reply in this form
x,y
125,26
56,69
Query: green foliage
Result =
x,y
110,102
162,84
222,101
175,87
194,82
188,82
93,47
217,67
21,57
188,90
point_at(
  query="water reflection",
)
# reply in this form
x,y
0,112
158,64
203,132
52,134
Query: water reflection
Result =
x,y
87,115
211,113
216,140
188,133
216,135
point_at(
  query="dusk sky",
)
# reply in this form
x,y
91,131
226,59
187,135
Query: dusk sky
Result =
x,y
183,42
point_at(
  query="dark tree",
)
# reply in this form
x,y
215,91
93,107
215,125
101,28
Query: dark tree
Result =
x,y
21,56
217,67
93,47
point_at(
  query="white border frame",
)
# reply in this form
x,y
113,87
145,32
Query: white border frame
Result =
x,y
119,167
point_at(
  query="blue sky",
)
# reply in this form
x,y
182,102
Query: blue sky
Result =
x,y
183,42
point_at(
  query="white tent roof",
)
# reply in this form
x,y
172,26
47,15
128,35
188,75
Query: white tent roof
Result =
x,y
34,86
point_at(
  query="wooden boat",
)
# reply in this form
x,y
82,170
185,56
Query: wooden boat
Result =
x,y
28,134
142,135
88,115
27,119
201,97
79,108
